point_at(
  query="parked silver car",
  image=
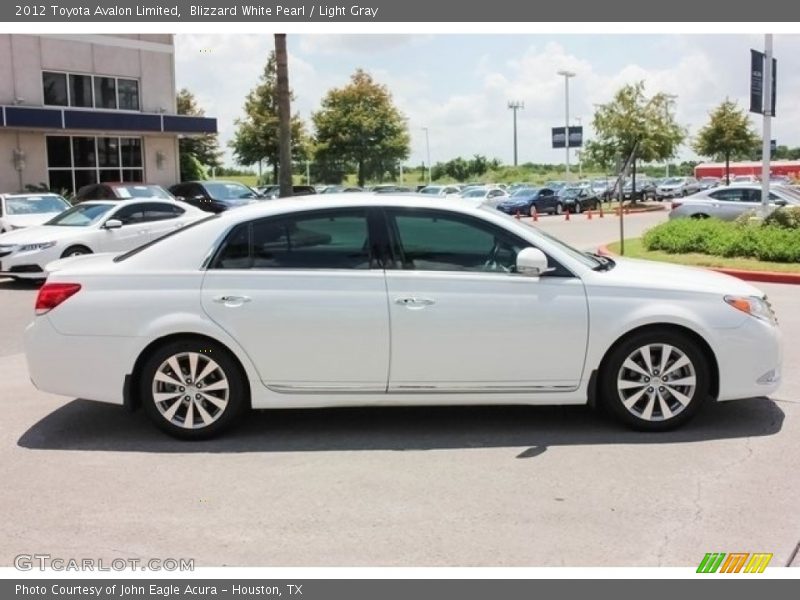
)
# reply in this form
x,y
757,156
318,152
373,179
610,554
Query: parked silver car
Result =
x,y
728,202
677,187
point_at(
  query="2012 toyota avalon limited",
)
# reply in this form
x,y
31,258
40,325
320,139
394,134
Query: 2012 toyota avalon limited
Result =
x,y
346,300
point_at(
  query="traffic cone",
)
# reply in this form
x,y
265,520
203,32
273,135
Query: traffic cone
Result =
x,y
601,210
566,218
589,214
535,215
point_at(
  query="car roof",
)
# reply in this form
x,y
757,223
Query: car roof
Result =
x,y
126,201
30,195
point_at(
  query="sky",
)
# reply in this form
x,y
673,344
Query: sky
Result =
x,y
459,85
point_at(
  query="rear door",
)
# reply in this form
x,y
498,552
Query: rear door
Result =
x,y
305,297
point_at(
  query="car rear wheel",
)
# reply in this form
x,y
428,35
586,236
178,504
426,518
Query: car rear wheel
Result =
x,y
559,208
655,380
578,208
532,210
75,251
699,216
192,389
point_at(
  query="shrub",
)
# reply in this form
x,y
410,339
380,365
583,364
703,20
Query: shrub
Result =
x,y
788,217
747,239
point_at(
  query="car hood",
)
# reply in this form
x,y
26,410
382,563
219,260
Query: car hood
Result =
x,y
671,186
649,274
41,233
29,220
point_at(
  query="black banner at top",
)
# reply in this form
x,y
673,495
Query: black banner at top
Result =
x,y
441,11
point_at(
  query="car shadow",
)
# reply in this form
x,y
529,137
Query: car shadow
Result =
x,y
86,425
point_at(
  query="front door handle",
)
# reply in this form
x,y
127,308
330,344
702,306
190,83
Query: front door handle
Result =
x,y
231,301
415,302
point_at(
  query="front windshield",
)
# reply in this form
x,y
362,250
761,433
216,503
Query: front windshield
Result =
x,y
81,215
474,193
228,191
141,191
672,181
35,205
585,259
525,192
787,191
570,192
430,190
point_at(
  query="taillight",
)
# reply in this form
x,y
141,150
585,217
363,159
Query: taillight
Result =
x,y
676,205
53,294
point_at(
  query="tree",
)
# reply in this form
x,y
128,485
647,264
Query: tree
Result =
x,y
284,116
200,152
632,121
728,134
359,127
256,137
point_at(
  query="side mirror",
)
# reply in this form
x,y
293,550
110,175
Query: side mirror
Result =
x,y
532,262
113,224
780,202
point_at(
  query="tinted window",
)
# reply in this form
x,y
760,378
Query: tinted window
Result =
x,y
130,215
160,212
128,94
333,240
729,195
105,92
434,241
80,90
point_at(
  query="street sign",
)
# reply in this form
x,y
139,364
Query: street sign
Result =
x,y
757,82
773,146
575,137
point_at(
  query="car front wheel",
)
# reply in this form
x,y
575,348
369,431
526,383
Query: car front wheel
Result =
x,y
192,389
559,208
655,381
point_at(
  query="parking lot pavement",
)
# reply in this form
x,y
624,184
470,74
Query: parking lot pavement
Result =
x,y
416,487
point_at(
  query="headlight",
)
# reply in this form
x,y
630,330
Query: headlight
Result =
x,y
753,306
39,246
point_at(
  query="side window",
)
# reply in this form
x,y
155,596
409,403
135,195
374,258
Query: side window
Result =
x,y
752,196
329,240
728,195
434,241
161,211
130,215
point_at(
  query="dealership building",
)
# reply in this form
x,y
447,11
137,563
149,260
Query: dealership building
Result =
x,y
82,109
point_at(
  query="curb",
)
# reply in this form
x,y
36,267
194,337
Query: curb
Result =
x,y
762,276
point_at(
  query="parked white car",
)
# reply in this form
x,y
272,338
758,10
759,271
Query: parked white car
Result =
x,y
357,299
91,227
484,195
18,211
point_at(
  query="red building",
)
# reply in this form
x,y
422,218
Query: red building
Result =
x,y
776,167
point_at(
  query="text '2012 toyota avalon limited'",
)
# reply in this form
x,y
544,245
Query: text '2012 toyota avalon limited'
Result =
x,y
381,300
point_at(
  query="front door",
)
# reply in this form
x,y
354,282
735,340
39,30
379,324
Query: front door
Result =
x,y
463,320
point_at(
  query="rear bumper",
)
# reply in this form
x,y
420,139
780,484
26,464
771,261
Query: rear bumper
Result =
x,y
68,364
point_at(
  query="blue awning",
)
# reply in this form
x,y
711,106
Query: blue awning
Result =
x,y
27,117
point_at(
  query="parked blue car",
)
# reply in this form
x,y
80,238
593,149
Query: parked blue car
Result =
x,y
523,201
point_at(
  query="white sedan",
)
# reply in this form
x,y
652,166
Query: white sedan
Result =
x,y
18,211
88,228
346,300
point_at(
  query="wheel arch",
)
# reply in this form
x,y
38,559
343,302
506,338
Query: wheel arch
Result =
x,y
132,400
708,352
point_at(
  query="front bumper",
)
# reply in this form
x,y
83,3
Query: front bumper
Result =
x,y
749,359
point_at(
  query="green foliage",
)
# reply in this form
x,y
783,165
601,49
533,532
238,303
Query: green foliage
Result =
x,y
763,241
203,148
632,118
359,128
191,169
460,169
727,135
256,137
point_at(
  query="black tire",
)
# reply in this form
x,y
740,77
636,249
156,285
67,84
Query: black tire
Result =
x,y
678,412
596,206
532,210
699,216
75,251
235,399
578,208
559,209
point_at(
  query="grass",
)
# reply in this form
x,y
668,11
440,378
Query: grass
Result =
x,y
635,249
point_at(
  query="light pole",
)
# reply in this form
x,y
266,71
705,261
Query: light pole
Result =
x,y
766,130
566,75
515,105
428,149
670,98
580,152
